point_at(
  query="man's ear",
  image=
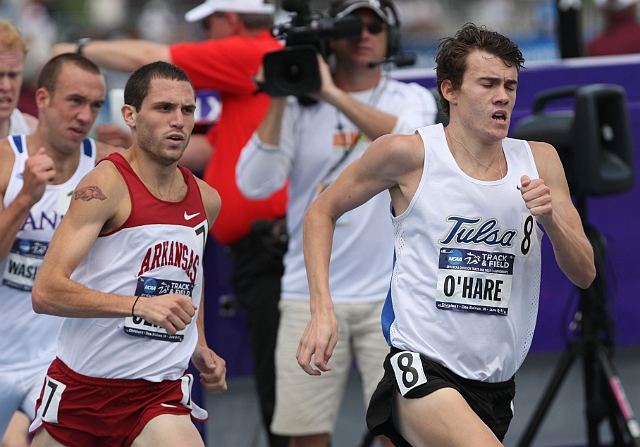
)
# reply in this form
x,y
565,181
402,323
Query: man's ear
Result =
x,y
129,114
448,92
43,98
234,20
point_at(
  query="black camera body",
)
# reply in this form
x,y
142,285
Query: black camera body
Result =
x,y
295,70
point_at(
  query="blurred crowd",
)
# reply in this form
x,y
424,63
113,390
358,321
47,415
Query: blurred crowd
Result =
x,y
532,23
220,45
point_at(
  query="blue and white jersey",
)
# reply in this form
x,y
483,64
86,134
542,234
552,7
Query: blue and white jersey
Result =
x,y
466,278
29,339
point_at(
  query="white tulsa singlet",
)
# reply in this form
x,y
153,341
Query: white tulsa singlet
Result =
x,y
29,339
466,278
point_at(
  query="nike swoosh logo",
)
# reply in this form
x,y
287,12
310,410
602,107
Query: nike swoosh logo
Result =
x,y
518,187
189,216
168,406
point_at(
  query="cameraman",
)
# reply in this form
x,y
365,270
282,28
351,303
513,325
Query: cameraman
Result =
x,y
310,145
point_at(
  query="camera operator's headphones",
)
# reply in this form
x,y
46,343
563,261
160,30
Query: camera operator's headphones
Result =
x,y
385,9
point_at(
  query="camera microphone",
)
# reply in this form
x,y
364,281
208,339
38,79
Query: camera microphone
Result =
x,y
400,60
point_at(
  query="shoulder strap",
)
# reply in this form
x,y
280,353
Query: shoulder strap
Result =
x,y
17,141
87,147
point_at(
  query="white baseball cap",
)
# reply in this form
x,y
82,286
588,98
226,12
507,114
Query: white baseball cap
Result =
x,y
382,8
615,5
241,6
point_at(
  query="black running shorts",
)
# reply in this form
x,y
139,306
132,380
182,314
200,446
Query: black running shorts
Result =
x,y
492,402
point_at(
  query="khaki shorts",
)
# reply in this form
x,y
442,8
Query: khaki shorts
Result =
x,y
305,404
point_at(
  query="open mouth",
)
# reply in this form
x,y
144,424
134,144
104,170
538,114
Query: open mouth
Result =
x,y
499,116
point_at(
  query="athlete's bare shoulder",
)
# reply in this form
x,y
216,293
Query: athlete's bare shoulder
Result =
x,y
101,183
103,194
547,159
5,149
210,199
396,156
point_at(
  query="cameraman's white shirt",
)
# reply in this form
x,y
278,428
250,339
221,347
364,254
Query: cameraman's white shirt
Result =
x,y
311,145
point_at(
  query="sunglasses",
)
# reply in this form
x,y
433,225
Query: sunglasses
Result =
x,y
374,28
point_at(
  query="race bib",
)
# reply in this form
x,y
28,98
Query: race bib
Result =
x,y
51,397
23,262
474,281
196,412
528,231
149,288
407,367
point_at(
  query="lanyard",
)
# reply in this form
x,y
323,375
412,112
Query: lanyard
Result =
x,y
373,101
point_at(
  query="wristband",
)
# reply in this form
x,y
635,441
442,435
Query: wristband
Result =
x,y
81,43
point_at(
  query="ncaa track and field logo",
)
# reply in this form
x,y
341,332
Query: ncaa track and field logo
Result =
x,y
150,286
25,246
454,257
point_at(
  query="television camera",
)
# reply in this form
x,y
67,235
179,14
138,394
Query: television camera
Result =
x,y
295,70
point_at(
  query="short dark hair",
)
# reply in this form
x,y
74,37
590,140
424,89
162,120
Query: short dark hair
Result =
x,y
137,87
451,58
48,78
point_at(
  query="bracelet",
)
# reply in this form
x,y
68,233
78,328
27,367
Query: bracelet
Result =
x,y
81,43
134,306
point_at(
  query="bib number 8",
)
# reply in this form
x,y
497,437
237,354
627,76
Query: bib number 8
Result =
x,y
527,236
407,367
527,227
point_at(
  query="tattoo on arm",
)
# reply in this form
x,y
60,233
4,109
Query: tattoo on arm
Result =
x,y
88,193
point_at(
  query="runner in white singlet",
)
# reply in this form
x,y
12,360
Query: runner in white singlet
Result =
x,y
469,206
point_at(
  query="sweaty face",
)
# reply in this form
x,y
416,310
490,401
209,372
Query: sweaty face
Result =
x,y
11,65
487,95
371,46
70,111
164,123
